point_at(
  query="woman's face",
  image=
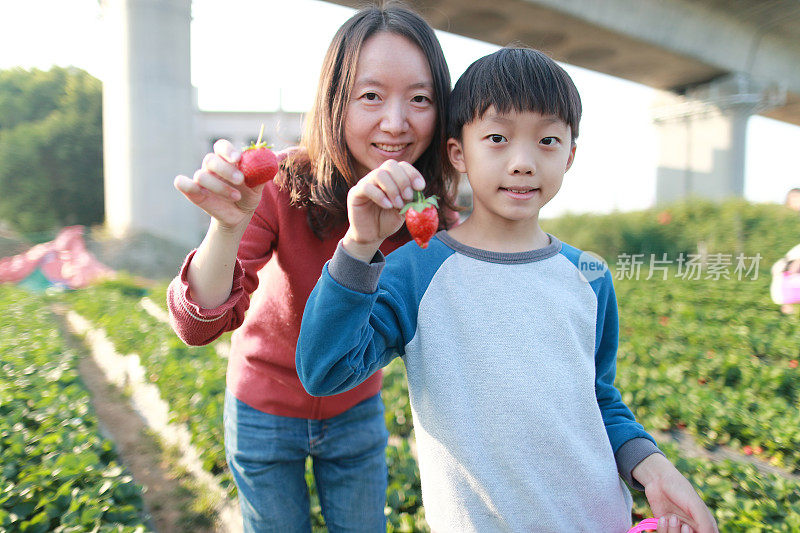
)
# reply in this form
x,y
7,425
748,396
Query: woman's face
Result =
x,y
391,113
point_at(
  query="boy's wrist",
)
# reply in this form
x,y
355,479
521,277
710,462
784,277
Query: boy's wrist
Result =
x,y
363,251
651,468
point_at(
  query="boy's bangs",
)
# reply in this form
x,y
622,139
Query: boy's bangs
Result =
x,y
525,89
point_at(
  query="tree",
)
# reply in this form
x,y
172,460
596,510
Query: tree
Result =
x,y
51,149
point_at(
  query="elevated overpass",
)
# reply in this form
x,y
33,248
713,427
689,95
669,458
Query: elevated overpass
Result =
x,y
674,45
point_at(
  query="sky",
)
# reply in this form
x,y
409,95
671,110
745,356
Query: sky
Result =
x,y
617,155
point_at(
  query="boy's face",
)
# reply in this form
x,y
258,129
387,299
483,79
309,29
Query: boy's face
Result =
x,y
515,163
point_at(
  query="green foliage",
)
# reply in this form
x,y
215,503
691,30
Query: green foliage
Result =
x,y
51,149
56,472
715,358
29,96
395,400
404,494
732,227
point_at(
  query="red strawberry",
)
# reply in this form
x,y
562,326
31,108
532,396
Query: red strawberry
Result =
x,y
258,163
422,219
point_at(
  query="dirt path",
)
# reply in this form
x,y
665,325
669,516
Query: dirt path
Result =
x,y
167,500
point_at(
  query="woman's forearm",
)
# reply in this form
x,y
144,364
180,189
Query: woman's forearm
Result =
x,y
210,273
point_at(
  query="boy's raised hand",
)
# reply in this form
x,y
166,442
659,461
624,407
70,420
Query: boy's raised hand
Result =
x,y
672,498
218,188
374,203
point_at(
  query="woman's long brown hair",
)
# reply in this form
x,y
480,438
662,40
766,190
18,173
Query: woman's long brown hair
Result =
x,y
320,173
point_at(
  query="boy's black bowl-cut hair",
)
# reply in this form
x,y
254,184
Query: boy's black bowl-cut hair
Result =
x,y
514,79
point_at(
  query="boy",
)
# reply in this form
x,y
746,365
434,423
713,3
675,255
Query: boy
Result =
x,y
510,351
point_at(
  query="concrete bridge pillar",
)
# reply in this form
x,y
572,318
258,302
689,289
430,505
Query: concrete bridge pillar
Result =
x,y
703,137
148,119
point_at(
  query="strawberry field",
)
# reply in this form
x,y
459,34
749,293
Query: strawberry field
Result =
x,y
717,360
710,361
57,473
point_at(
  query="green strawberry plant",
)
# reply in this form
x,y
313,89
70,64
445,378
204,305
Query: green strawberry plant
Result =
x,y
714,358
57,473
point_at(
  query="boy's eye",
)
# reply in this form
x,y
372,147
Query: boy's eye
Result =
x,y
497,138
549,141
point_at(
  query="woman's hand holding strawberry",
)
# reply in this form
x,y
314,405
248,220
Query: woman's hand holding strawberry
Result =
x,y
218,188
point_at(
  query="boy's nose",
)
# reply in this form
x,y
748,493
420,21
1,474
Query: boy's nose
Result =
x,y
394,120
522,165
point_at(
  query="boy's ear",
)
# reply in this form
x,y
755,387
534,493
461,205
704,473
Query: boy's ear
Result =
x,y
571,156
456,154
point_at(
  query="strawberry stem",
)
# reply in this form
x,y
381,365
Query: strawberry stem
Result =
x,y
419,202
260,134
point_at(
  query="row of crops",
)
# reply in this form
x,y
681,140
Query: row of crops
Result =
x,y
711,358
57,473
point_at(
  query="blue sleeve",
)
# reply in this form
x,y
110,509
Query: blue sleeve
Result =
x,y
352,327
630,442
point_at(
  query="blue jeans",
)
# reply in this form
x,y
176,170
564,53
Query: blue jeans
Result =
x,y
267,456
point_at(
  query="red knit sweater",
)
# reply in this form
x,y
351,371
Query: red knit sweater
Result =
x,y
279,262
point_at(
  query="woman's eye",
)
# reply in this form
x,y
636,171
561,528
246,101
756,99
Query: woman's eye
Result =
x,y
420,98
370,96
497,138
549,141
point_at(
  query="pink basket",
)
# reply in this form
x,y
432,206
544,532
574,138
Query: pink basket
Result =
x,y
790,287
648,524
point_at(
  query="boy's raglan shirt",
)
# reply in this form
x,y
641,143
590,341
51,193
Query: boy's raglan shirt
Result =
x,y
510,360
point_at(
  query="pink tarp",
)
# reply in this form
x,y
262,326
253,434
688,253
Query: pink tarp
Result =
x,y
63,261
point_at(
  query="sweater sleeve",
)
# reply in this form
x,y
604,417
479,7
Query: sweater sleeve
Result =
x,y
196,325
351,327
630,442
